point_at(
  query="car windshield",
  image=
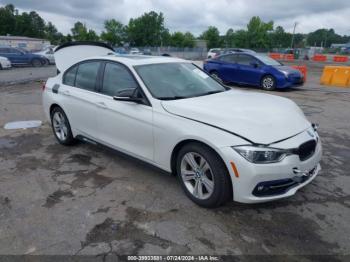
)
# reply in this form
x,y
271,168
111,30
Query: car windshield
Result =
x,y
168,81
268,60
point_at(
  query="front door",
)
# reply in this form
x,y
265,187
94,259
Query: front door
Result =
x,y
127,126
248,69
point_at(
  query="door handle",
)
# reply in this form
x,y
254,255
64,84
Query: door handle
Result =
x,y
66,93
101,105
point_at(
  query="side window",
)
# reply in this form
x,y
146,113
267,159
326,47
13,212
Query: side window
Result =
x,y
3,50
87,75
116,78
69,76
15,51
245,59
229,58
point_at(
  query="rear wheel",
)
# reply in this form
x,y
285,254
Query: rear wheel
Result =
x,y
268,83
203,175
36,63
61,127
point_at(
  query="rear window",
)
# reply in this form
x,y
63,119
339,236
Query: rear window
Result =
x,y
87,75
69,77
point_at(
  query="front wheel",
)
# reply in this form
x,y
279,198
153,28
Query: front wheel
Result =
x,y
36,63
268,83
203,175
61,127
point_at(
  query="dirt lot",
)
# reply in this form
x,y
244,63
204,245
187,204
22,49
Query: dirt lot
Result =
x,y
91,200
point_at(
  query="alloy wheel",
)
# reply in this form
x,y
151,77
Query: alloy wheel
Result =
x,y
268,83
60,126
197,175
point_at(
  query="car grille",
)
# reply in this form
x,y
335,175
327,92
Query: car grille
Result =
x,y
307,149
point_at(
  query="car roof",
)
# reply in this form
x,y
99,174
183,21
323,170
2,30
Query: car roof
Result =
x,y
134,60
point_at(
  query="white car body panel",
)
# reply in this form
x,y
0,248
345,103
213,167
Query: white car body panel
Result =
x,y
151,133
66,57
245,114
5,63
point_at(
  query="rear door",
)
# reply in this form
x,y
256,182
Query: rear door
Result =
x,y
228,68
124,125
78,97
17,56
247,73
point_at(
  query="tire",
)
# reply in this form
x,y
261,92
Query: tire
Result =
x,y
208,194
36,63
215,75
61,127
268,83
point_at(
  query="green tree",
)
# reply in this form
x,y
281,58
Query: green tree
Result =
x,y
212,36
280,39
189,40
146,30
230,38
325,37
240,39
115,32
81,33
7,20
179,39
258,33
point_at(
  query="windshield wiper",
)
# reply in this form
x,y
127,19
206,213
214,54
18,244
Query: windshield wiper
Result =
x,y
171,97
212,92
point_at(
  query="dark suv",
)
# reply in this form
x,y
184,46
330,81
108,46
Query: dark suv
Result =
x,y
21,57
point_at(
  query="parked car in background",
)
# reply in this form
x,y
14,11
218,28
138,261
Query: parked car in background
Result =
x,y
147,52
48,54
120,51
4,63
223,144
135,51
21,57
253,69
213,52
236,50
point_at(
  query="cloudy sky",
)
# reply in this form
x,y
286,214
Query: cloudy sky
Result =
x,y
195,15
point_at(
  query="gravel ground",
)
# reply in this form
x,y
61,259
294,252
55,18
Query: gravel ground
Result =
x,y
18,75
89,200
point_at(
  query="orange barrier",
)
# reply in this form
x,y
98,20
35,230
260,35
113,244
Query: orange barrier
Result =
x,y
288,57
319,58
276,56
302,69
340,58
336,76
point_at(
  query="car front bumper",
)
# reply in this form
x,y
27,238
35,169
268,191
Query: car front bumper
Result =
x,y
5,65
279,175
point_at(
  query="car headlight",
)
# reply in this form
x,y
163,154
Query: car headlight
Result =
x,y
261,155
284,72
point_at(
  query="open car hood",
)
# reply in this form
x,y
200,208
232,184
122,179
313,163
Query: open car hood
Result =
x,y
70,53
259,118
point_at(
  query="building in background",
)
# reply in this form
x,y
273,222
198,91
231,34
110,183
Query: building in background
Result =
x,y
27,43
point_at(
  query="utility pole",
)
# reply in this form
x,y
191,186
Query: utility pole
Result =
x,y
292,44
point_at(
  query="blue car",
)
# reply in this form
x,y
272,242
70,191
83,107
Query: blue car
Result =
x,y
253,69
21,57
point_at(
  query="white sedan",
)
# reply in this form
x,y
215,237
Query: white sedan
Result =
x,y
4,63
222,144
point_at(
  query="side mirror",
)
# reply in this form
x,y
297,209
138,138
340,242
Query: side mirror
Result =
x,y
129,95
254,64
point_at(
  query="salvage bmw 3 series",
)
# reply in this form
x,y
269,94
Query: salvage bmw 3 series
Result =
x,y
223,144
